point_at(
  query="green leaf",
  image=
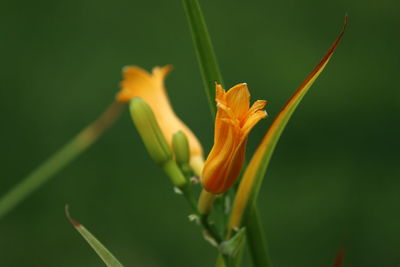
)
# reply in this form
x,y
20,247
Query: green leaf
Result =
x,y
232,247
107,257
210,73
204,50
258,246
254,174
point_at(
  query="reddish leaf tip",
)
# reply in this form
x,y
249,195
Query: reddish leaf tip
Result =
x,y
323,61
339,258
73,221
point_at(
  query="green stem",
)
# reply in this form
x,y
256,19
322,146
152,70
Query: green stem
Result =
x,y
256,239
211,74
175,174
188,194
257,243
209,228
60,159
204,50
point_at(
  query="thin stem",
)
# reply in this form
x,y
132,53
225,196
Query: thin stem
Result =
x,y
210,229
256,239
203,218
209,70
188,194
60,159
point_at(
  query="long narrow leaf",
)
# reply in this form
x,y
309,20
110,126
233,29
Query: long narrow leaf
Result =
x,y
255,172
204,50
107,257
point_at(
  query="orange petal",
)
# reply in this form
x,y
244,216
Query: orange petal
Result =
x,y
225,161
255,171
238,99
150,87
253,119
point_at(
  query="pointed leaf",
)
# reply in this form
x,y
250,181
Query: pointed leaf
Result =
x,y
107,257
255,172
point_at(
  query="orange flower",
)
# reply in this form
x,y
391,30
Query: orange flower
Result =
x,y
233,123
150,87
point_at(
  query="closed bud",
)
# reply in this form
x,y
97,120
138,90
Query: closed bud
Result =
x,y
149,130
150,87
181,148
234,120
154,140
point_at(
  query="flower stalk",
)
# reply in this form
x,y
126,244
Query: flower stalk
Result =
x,y
208,64
56,162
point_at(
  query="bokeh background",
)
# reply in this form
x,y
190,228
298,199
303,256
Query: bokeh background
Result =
x,y
334,181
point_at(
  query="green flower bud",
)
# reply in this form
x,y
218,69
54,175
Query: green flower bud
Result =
x,y
154,140
175,174
149,130
181,148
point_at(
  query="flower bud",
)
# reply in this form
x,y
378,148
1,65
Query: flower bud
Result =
x,y
234,120
181,148
154,140
150,132
150,87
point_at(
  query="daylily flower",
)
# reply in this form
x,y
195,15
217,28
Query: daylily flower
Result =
x,y
150,87
233,123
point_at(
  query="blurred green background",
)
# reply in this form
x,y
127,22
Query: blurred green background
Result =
x,y
334,178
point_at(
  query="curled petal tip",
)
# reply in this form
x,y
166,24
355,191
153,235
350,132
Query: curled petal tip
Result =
x,y
163,70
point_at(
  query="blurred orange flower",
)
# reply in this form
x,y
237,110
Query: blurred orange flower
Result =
x,y
150,87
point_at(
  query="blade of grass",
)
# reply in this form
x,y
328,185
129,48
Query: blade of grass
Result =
x,y
254,174
204,50
60,159
107,257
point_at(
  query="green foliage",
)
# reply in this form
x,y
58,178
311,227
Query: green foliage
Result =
x,y
106,256
204,50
